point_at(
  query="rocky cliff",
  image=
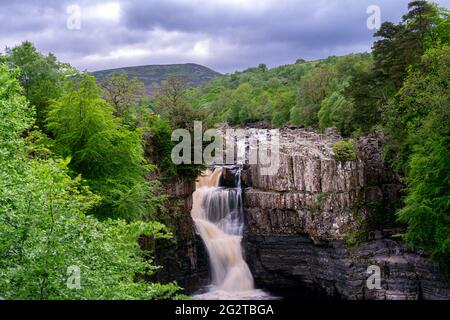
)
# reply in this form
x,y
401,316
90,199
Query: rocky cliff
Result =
x,y
182,258
319,223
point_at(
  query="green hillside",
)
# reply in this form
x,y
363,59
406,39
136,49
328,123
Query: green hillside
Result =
x,y
304,93
152,75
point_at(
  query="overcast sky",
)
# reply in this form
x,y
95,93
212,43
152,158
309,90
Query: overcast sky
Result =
x,y
226,35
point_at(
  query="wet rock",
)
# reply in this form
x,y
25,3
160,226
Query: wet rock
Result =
x,y
183,259
229,177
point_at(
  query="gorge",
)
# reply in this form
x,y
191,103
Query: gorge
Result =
x,y
310,231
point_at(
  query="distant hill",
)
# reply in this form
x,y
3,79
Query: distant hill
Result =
x,y
152,75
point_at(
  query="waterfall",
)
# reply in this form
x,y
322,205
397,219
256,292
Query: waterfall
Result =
x,y
218,216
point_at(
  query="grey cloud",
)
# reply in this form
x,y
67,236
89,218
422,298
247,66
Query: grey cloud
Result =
x,y
225,35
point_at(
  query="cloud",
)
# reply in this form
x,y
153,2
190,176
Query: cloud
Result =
x,y
226,35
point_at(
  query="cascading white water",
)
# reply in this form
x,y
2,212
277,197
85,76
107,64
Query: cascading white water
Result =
x,y
218,217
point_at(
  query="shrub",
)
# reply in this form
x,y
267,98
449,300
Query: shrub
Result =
x,y
345,150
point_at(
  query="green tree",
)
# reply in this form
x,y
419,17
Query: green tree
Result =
x,y
420,122
15,116
171,101
425,89
419,21
284,101
108,155
314,87
40,76
439,34
336,111
241,105
427,204
402,45
369,97
123,93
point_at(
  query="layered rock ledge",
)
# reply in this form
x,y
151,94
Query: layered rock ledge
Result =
x,y
319,222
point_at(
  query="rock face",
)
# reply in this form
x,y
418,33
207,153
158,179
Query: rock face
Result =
x,y
332,268
320,223
183,258
312,193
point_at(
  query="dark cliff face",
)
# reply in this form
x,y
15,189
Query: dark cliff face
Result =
x,y
320,223
184,259
330,268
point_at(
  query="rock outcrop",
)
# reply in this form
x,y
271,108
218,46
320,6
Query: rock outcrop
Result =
x,y
312,192
320,223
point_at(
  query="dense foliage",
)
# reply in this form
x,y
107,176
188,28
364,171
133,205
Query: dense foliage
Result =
x,y
424,113
304,93
40,76
51,185
174,111
108,155
127,96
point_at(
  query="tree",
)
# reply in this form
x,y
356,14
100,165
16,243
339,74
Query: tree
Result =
x,y
240,105
427,204
262,67
15,116
314,87
108,155
425,89
282,107
336,111
123,93
389,63
419,20
402,45
421,125
439,34
40,76
45,233
369,98
172,102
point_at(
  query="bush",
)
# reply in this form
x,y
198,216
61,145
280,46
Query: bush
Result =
x,y
345,150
